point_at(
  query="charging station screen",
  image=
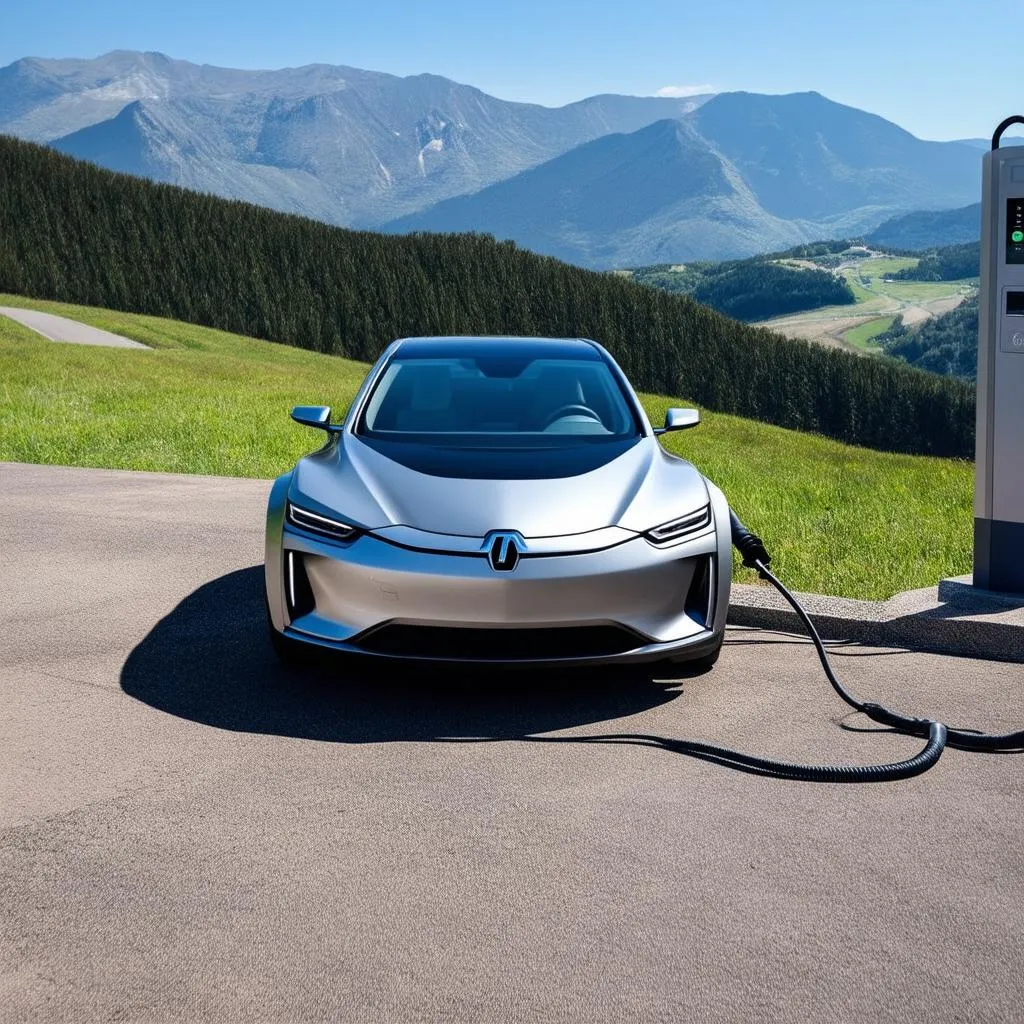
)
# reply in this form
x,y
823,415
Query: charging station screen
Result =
x,y
1015,230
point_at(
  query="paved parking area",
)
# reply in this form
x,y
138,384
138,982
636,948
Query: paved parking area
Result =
x,y
189,833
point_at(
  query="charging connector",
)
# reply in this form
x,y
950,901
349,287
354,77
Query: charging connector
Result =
x,y
749,545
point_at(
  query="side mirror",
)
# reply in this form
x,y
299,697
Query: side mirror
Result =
x,y
679,419
314,416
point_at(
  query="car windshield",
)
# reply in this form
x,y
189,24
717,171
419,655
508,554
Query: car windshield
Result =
x,y
502,400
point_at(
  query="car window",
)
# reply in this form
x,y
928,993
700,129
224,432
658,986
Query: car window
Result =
x,y
477,399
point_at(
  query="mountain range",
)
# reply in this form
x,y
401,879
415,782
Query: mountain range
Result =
x,y
608,181
928,229
741,174
339,144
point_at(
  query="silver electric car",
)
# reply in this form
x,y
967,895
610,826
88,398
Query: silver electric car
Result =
x,y
497,500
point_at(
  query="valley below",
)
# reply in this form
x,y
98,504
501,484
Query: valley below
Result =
x,y
880,299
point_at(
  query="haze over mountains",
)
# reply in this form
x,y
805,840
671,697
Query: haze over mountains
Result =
x,y
608,181
927,229
742,174
347,146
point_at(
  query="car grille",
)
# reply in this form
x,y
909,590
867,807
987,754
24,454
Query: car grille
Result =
x,y
459,643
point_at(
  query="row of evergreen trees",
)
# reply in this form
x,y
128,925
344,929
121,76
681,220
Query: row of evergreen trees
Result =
x,y
751,289
74,232
757,290
950,263
947,343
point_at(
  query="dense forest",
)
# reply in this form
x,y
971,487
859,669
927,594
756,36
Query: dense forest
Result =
x,y
950,263
814,250
74,232
944,344
751,289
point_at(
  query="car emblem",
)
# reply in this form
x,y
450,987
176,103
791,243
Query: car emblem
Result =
x,y
503,549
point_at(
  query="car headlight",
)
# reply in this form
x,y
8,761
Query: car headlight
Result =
x,y
316,523
676,528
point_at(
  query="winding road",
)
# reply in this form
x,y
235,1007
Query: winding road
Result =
x,y
60,328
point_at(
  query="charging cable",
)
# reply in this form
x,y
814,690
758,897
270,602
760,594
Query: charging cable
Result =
x,y
755,556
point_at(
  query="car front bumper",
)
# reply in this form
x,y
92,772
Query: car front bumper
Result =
x,y
629,602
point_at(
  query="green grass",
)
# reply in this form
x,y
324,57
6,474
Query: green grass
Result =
x,y
203,401
868,281
837,519
925,291
860,293
883,266
864,334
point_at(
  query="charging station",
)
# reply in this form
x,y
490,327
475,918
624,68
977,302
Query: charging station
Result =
x,y
998,479
999,444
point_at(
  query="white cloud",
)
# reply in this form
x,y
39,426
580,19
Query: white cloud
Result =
x,y
676,91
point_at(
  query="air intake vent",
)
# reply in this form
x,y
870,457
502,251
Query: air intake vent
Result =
x,y
456,643
296,585
699,596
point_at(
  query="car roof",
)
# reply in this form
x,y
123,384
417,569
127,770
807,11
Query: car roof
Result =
x,y
491,345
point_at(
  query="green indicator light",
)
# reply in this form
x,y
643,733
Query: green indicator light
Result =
x,y
1017,236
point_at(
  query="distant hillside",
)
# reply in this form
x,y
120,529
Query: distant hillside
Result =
x,y
928,229
1009,139
806,157
72,232
740,174
754,289
656,194
950,263
945,344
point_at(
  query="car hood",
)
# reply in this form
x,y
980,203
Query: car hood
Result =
x,y
636,490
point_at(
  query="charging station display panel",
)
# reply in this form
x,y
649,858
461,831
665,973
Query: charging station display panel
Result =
x,y
1015,230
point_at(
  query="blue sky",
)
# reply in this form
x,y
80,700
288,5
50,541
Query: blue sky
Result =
x,y
940,69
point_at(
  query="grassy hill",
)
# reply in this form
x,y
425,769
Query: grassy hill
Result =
x,y
207,401
73,232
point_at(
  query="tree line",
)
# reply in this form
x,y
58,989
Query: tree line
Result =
x,y
943,344
950,263
752,289
74,232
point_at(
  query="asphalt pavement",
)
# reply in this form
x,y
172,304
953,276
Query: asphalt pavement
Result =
x,y
189,832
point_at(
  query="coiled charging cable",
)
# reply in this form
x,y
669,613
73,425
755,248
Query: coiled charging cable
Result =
x,y
755,556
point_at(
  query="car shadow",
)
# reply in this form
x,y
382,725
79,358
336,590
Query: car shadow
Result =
x,y
210,661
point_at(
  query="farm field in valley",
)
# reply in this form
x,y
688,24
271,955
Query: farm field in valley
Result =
x,y
879,300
